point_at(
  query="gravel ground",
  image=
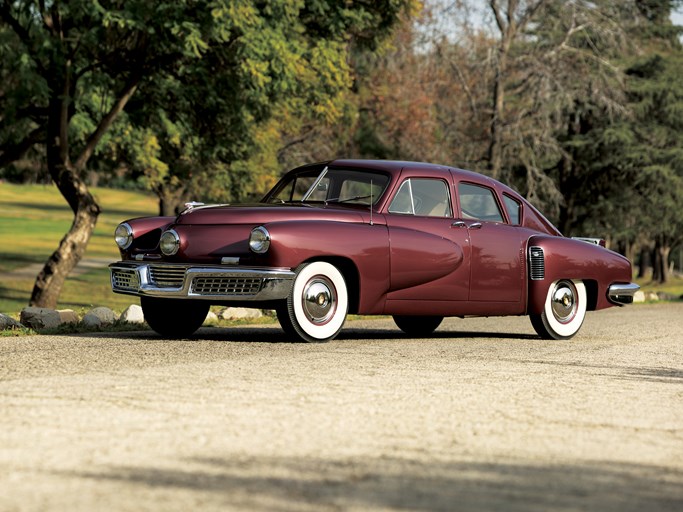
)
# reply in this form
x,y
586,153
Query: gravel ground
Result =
x,y
483,416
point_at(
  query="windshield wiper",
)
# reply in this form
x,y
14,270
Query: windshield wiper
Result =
x,y
354,198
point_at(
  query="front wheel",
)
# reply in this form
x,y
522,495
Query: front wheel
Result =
x,y
174,318
318,303
564,310
418,325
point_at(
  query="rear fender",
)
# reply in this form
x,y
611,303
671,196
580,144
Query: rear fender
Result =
x,y
566,258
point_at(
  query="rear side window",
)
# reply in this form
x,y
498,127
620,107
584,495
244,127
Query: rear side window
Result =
x,y
422,197
477,202
514,209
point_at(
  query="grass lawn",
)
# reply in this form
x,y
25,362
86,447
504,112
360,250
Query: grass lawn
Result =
x,y
34,218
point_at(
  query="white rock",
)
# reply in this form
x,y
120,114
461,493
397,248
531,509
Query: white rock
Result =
x,y
639,296
98,317
239,313
133,315
211,318
651,296
40,318
68,316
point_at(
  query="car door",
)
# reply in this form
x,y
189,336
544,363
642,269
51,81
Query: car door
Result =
x,y
497,250
429,257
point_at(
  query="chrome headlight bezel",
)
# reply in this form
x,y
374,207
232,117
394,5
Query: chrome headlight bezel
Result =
x,y
123,235
259,240
171,244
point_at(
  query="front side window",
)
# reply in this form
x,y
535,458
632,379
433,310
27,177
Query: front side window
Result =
x,y
514,209
422,197
477,202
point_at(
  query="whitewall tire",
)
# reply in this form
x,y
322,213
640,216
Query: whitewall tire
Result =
x,y
564,310
318,303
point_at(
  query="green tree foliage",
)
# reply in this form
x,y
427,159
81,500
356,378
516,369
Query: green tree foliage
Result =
x,y
174,90
282,64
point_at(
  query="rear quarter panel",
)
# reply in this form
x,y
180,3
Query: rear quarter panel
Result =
x,y
573,259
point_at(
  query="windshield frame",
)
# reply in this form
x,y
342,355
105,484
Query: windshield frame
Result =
x,y
373,185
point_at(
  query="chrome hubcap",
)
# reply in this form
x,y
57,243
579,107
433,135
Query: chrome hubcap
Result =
x,y
319,300
564,302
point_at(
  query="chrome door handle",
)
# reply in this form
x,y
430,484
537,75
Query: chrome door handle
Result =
x,y
475,225
458,224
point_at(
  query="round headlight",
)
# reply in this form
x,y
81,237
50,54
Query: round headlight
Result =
x,y
259,241
123,235
169,242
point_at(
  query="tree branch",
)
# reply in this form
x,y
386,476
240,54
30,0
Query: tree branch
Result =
x,y
12,153
499,17
106,122
21,32
529,13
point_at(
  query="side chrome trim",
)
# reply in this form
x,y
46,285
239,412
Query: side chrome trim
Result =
x,y
202,282
622,293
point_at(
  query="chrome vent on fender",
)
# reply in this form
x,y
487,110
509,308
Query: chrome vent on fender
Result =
x,y
536,263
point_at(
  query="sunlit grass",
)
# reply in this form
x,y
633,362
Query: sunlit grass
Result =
x,y
674,285
33,220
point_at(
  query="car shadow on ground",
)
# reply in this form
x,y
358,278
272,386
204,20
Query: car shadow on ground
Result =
x,y
277,335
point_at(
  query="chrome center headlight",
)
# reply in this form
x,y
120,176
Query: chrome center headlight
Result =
x,y
123,235
259,240
169,242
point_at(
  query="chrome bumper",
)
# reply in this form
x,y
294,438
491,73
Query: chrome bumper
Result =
x,y
204,282
623,293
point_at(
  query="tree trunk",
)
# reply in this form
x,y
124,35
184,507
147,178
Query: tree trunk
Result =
x,y
661,263
644,261
495,149
50,280
170,200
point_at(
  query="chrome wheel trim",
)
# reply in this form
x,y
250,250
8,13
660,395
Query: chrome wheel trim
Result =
x,y
319,321
564,320
563,300
319,300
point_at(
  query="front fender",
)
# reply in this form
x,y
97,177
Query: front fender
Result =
x,y
365,245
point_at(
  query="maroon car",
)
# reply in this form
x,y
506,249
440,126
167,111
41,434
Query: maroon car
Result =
x,y
416,241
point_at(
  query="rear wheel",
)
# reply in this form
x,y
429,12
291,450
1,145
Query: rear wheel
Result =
x,y
174,318
564,310
318,303
418,325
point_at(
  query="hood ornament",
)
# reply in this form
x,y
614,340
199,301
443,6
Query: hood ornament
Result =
x,y
191,206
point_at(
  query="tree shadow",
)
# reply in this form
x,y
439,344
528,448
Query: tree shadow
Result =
x,y
391,483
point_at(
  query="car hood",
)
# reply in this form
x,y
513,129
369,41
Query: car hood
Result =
x,y
266,213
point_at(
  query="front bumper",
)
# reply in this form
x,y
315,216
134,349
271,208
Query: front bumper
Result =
x,y
204,282
622,293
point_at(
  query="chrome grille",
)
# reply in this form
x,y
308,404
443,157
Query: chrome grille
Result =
x,y
536,263
123,279
226,285
166,277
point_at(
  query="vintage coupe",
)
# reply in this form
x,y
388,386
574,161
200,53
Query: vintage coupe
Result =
x,y
416,241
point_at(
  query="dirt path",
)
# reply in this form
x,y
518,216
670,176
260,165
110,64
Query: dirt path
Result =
x,y
484,416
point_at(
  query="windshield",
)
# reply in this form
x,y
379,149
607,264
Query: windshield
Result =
x,y
330,186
